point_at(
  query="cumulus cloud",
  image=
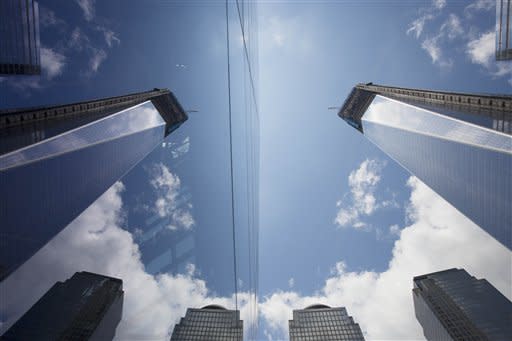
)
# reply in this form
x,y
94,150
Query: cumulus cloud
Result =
x,y
52,62
87,7
96,242
394,229
431,45
167,186
481,51
361,199
437,237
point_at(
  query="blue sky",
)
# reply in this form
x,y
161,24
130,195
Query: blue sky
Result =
x,y
340,223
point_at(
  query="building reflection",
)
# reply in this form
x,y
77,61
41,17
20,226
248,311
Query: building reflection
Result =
x,y
458,144
87,306
212,322
52,177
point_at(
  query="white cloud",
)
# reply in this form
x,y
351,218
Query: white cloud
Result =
x,y
78,40
394,229
180,149
438,237
452,27
479,5
110,36
431,45
427,14
417,25
52,62
47,17
363,184
167,186
481,51
291,282
439,4
97,58
95,242
87,7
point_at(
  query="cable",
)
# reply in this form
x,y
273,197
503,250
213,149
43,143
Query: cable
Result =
x,y
231,158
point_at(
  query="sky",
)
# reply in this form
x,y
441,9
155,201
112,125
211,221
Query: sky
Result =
x,y
340,223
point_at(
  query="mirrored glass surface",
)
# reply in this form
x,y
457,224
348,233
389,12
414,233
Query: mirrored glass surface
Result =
x,y
468,165
180,227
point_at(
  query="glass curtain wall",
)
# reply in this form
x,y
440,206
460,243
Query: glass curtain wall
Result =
x,y
180,229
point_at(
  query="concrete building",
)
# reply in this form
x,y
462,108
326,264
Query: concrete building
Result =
x,y
458,144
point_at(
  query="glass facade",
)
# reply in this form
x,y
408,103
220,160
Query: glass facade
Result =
x,y
73,168
453,305
460,145
85,307
209,323
467,164
503,30
180,226
19,37
320,322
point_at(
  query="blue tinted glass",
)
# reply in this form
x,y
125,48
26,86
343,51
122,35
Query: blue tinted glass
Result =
x,y
166,228
468,165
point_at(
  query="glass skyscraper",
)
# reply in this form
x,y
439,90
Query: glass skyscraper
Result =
x,y
453,305
212,322
503,30
55,161
19,37
87,306
321,322
459,144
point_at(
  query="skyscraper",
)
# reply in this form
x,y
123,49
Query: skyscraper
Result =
x,y
453,305
87,306
503,30
459,144
19,37
212,322
321,322
55,161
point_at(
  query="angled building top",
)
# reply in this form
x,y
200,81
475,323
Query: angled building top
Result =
x,y
362,96
163,100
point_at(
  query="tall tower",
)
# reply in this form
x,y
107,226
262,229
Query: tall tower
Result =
x,y
459,144
19,37
212,322
503,30
55,161
453,305
87,306
321,322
